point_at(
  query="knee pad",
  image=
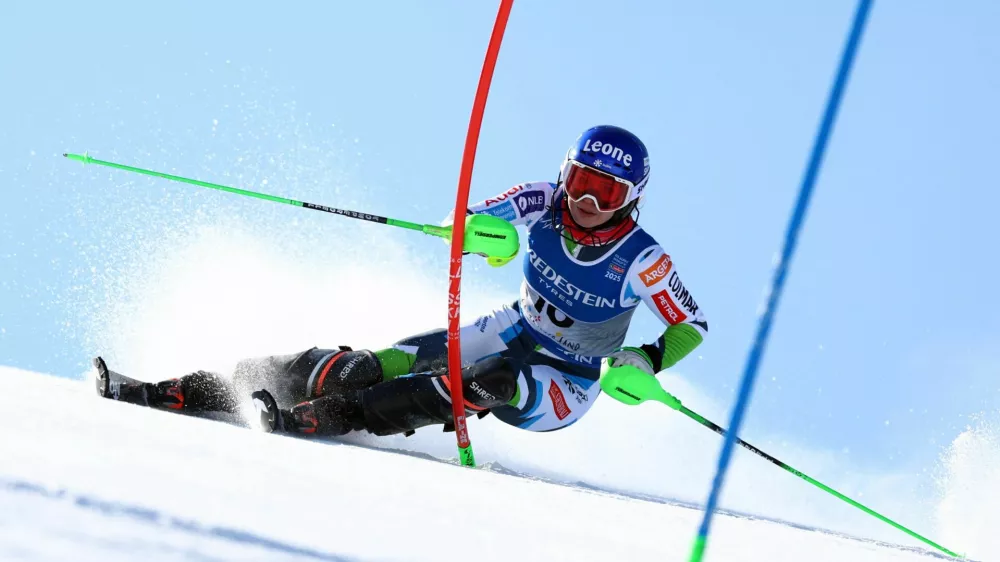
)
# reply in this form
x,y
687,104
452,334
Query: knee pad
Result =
x,y
309,374
329,371
490,382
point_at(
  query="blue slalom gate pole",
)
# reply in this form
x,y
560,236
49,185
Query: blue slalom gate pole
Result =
x,y
781,272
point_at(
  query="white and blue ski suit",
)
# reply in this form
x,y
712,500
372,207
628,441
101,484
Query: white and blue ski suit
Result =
x,y
575,306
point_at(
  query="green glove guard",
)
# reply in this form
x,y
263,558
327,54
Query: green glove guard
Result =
x,y
485,235
631,386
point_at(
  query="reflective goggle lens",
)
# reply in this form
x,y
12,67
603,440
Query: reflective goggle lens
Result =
x,y
608,192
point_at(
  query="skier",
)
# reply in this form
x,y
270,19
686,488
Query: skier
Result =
x,y
534,364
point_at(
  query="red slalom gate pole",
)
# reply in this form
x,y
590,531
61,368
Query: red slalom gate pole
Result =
x,y
466,456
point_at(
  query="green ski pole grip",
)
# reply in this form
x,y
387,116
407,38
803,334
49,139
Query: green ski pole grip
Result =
x,y
485,235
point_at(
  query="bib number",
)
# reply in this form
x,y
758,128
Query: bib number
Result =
x,y
553,313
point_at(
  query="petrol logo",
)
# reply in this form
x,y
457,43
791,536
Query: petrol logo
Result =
x,y
668,308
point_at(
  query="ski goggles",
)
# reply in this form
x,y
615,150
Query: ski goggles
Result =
x,y
606,191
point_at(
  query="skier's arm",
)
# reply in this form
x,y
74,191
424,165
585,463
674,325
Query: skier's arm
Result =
x,y
520,204
654,279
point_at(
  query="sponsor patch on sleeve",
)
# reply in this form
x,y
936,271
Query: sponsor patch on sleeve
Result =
x,y
657,271
504,210
504,196
681,294
529,202
668,308
559,405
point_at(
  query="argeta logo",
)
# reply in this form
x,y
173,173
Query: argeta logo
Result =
x,y
559,405
657,271
608,149
667,308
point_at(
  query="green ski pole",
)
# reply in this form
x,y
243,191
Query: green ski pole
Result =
x,y
486,235
631,386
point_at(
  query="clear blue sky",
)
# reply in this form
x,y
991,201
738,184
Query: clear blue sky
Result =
x,y
890,312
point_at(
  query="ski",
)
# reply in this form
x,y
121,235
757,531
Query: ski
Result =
x,y
116,386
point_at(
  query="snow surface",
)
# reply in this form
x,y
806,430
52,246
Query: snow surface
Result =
x,y
82,478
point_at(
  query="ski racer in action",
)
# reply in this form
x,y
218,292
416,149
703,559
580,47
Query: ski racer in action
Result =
x,y
534,364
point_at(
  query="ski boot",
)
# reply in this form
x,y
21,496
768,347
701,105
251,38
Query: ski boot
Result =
x,y
167,394
335,414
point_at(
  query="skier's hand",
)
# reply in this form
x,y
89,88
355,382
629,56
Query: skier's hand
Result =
x,y
486,235
632,356
627,375
491,237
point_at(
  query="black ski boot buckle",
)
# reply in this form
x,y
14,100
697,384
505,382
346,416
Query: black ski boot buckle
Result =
x,y
269,418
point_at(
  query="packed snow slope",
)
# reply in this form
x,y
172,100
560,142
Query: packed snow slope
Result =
x,y
82,478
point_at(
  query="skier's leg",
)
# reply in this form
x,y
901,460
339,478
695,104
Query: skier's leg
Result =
x,y
200,391
492,349
291,379
309,374
498,333
404,404
321,372
408,403
551,394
